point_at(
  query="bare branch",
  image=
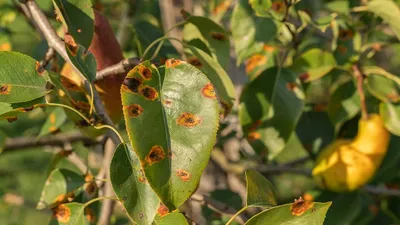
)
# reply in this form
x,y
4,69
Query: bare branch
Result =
x,y
13,144
381,191
121,67
50,54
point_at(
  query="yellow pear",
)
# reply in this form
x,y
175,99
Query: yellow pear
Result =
x,y
346,164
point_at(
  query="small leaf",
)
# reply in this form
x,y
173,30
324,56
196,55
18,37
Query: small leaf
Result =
x,y
172,126
218,77
314,64
131,187
390,114
343,104
382,85
21,80
78,17
269,109
9,111
210,34
260,61
389,11
84,61
250,33
53,122
60,186
260,191
283,214
174,218
69,214
269,8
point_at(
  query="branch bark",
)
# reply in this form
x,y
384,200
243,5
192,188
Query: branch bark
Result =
x,y
121,67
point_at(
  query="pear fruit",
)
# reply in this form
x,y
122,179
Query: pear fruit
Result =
x,y
346,164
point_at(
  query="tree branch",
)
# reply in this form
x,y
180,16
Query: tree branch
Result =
x,y
121,67
13,144
55,42
381,191
360,81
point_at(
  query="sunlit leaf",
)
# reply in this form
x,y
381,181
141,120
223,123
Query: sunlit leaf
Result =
x,y
260,191
390,114
84,61
70,214
174,218
11,111
388,10
53,122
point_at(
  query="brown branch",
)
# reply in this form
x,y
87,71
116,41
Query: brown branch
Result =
x,y
50,54
218,206
13,144
121,67
55,42
360,81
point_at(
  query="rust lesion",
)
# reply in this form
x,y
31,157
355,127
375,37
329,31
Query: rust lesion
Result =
x,y
218,36
300,206
254,61
172,63
5,89
188,120
62,213
39,68
183,174
148,92
145,72
193,60
134,110
162,210
208,91
155,155
131,84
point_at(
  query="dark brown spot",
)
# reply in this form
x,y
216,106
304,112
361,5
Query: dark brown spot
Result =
x,y
155,155
320,107
346,34
134,110
194,61
188,120
172,63
27,109
5,89
132,84
81,105
62,213
39,68
218,36
184,175
278,7
69,84
148,92
162,210
91,188
145,72
304,76
12,119
71,44
300,206
208,91
140,215
125,198
82,123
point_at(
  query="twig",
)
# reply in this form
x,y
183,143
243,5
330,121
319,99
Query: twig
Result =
x,y
360,80
13,144
381,191
55,42
108,204
50,54
218,206
121,67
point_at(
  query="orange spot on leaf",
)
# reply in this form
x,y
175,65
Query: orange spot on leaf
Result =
x,y
167,103
162,210
255,125
5,89
188,120
304,76
291,86
12,119
134,110
184,175
252,136
172,63
62,213
53,129
278,7
155,155
299,207
148,92
254,61
131,84
222,7
89,213
342,49
145,72
27,109
5,47
268,48
52,118
208,91
39,68
308,197
71,44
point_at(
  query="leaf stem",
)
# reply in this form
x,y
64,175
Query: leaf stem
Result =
x,y
360,81
237,214
156,41
98,199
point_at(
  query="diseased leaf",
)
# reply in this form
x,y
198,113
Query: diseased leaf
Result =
x,y
260,61
219,9
343,104
390,114
171,125
84,61
21,80
382,84
313,64
218,77
201,31
269,8
294,214
11,111
131,187
53,122
389,11
250,33
269,109
70,214
78,17
174,218
260,191
60,186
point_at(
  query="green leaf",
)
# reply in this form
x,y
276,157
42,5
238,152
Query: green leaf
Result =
x,y
11,111
208,33
53,122
269,109
383,88
389,11
390,114
343,104
70,214
260,191
174,218
314,64
130,186
84,61
269,8
344,209
3,137
390,164
261,61
261,7
172,126
218,77
60,185
20,80
250,33
78,17
281,215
